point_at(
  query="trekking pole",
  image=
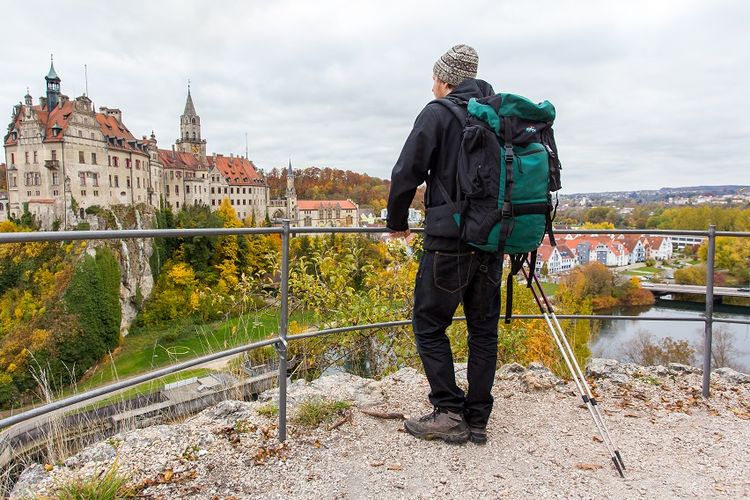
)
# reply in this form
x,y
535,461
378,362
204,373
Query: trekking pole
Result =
x,y
569,357
578,369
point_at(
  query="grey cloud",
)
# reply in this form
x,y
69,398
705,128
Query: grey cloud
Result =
x,y
640,87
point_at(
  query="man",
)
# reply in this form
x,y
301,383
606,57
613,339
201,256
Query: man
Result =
x,y
450,272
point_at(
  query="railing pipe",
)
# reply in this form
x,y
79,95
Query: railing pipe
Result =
x,y
281,341
124,384
25,237
283,328
709,309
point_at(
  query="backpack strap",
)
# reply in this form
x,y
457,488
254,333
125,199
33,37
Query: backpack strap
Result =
x,y
516,262
506,214
459,111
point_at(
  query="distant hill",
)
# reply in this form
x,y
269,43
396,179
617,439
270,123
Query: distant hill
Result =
x,y
314,183
671,191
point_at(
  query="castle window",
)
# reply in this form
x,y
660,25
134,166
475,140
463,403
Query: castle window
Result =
x,y
187,189
81,159
93,158
138,182
35,157
13,158
55,178
26,155
138,164
115,161
128,181
110,180
177,192
92,135
127,163
96,180
82,178
117,181
193,135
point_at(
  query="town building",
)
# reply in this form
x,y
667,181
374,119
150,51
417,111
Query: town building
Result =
x,y
611,250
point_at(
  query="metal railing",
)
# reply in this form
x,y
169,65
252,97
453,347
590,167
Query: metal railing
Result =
x,y
282,339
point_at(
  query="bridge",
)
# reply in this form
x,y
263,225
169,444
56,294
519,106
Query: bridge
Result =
x,y
719,291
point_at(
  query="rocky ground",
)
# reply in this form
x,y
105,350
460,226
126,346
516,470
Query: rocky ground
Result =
x,y
542,443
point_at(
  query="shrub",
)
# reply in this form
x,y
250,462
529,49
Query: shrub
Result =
x,y
93,296
643,350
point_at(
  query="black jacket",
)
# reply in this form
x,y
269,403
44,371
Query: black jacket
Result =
x,y
432,149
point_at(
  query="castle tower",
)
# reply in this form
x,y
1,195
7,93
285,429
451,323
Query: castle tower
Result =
x,y
53,87
190,140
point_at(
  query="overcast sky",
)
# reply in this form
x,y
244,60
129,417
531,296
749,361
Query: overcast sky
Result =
x,y
645,91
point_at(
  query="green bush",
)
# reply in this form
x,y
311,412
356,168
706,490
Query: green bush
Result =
x,y
93,296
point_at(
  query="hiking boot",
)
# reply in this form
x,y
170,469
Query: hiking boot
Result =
x,y
477,435
439,424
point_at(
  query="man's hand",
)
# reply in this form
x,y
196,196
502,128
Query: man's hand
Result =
x,y
400,234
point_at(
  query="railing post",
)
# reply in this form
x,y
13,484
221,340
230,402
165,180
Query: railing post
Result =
x,y
283,328
709,314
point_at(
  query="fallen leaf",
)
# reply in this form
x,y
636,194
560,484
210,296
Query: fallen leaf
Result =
x,y
377,463
168,474
317,443
597,439
48,467
588,466
394,466
632,415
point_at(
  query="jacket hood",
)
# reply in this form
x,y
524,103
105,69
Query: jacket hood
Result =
x,y
471,87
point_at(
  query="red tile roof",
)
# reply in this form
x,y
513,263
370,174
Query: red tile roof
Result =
x,y
184,161
237,170
321,204
119,135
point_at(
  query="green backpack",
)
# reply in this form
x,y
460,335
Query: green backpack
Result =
x,y
507,169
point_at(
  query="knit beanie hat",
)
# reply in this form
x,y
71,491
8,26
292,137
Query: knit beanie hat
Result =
x,y
456,65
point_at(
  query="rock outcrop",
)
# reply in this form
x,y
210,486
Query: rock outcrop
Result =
x,y
542,442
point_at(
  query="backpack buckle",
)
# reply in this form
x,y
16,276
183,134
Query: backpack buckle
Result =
x,y
507,211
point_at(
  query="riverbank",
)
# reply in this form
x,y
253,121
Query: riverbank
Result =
x,y
541,443
613,336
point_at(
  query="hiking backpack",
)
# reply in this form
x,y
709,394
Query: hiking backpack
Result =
x,y
507,169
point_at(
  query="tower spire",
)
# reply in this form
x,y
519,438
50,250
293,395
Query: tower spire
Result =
x,y
53,86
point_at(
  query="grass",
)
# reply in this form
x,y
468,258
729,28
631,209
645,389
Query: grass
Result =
x,y
550,289
149,348
314,412
109,485
268,410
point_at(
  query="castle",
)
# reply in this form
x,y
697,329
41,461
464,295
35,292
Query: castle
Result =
x,y
63,157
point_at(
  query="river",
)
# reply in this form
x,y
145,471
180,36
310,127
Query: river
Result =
x,y
614,335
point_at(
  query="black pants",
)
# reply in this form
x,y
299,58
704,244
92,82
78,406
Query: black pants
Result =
x,y
443,281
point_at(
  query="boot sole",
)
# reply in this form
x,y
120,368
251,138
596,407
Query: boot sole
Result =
x,y
448,438
481,440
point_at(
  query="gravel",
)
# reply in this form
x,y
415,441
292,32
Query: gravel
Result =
x,y
542,442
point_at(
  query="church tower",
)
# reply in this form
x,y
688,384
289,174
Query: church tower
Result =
x,y
190,140
53,87
291,195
